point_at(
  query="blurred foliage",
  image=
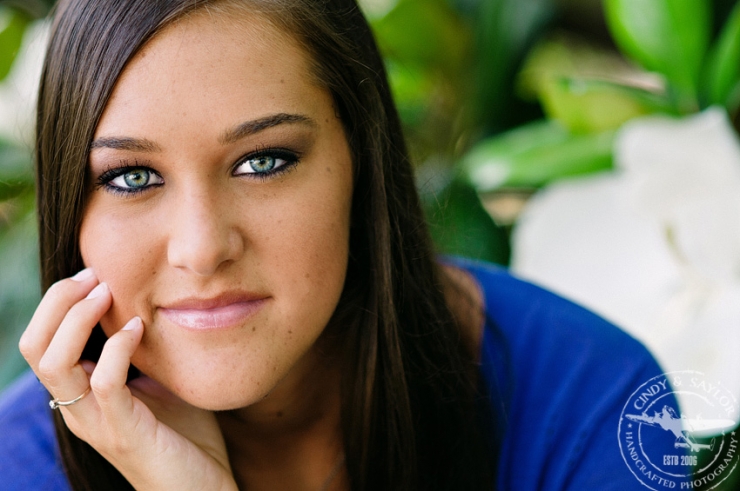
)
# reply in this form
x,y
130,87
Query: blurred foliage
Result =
x,y
19,284
673,58
12,26
669,37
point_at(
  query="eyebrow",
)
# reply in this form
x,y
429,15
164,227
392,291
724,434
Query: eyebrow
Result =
x,y
255,126
130,144
232,135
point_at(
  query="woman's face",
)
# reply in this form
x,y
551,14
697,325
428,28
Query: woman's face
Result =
x,y
220,207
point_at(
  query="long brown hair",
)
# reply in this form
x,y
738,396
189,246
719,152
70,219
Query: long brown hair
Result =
x,y
412,413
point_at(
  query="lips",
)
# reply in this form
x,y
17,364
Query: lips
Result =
x,y
227,310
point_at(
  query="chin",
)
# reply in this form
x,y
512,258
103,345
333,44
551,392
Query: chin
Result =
x,y
216,397
222,388
219,402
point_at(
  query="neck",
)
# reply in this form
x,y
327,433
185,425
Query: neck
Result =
x,y
292,438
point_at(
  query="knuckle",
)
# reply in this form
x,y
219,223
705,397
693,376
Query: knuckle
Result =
x,y
121,446
27,347
48,369
101,386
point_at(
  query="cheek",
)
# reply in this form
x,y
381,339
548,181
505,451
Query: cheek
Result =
x,y
309,246
122,259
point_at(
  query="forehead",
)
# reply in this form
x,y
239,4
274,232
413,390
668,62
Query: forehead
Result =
x,y
217,64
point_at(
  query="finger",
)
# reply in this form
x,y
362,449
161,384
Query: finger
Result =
x,y
59,367
108,381
88,366
57,301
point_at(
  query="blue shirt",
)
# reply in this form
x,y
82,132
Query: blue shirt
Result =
x,y
560,377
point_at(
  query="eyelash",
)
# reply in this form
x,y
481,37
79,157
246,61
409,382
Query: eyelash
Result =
x,y
104,180
291,159
111,173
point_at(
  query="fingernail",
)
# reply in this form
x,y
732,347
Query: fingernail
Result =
x,y
97,291
134,323
83,275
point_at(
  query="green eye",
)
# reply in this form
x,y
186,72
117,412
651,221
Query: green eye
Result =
x,y
264,163
137,178
131,179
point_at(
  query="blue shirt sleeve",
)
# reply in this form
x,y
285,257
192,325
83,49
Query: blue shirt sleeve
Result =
x,y
560,377
29,456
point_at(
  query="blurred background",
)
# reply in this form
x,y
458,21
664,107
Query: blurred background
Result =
x,y
591,146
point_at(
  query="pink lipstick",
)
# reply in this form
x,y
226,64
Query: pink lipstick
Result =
x,y
219,312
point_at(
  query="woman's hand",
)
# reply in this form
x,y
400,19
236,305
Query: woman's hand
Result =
x,y
156,440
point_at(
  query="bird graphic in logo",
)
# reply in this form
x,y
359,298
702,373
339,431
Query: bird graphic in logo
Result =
x,y
682,427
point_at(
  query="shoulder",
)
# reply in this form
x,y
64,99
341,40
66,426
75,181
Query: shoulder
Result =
x,y
28,451
539,327
528,320
561,377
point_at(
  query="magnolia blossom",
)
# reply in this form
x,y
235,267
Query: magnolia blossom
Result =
x,y
653,246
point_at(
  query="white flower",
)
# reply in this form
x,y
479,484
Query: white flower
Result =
x,y
653,246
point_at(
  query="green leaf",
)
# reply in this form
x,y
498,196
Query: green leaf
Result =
x,y
460,226
722,82
12,26
594,106
9,190
413,90
666,36
426,33
505,30
535,154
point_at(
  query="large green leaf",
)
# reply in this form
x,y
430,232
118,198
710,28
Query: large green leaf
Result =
x,y
722,82
594,106
535,154
666,36
413,90
12,26
583,87
506,29
461,226
426,33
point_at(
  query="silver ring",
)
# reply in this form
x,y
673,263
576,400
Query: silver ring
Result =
x,y
56,403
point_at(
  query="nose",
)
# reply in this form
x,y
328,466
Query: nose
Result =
x,y
203,236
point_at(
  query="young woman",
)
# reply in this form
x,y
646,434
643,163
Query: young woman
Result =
x,y
241,292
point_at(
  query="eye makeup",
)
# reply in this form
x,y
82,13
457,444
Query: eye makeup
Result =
x,y
129,179
266,163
